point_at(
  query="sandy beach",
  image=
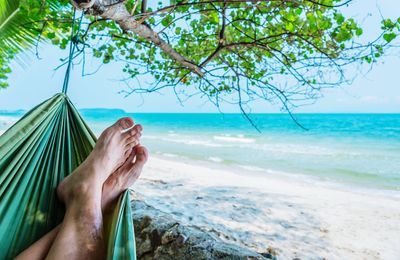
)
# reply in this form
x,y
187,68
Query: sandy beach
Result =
x,y
292,217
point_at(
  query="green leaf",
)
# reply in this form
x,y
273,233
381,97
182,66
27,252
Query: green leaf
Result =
x,y
289,27
214,17
167,20
389,37
51,35
388,24
339,18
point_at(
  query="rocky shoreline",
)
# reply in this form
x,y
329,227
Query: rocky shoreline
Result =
x,y
160,236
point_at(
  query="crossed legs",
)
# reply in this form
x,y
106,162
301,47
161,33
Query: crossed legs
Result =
x,y
113,166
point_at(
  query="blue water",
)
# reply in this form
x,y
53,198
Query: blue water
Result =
x,y
354,149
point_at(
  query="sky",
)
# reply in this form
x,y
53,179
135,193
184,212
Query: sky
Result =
x,y
376,91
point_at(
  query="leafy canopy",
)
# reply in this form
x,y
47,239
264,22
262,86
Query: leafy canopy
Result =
x,y
279,51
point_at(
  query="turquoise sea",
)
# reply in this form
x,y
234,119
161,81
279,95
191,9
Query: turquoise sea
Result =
x,y
353,149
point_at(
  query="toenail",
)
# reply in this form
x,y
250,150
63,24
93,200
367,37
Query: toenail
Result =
x,y
127,129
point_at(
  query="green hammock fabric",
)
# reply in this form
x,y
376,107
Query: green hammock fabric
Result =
x,y
36,153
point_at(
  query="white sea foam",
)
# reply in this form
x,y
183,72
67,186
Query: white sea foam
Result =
x,y
287,148
152,137
297,149
1,132
171,155
183,140
215,159
252,168
232,139
172,133
194,142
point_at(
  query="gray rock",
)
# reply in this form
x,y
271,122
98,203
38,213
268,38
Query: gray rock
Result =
x,y
159,236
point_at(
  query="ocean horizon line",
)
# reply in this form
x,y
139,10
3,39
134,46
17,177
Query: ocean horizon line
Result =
x,y
119,110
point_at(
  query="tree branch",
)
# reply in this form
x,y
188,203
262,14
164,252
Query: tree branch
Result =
x,y
117,12
144,6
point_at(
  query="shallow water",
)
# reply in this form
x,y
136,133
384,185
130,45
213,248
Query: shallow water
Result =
x,y
355,149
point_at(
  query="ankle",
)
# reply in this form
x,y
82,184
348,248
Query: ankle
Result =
x,y
96,168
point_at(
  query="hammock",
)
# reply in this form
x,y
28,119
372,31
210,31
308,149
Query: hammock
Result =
x,y
36,153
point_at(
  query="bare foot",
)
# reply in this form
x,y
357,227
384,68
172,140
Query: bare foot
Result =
x,y
113,147
111,150
124,177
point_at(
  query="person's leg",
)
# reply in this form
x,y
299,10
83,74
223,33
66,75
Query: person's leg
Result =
x,y
123,178
40,248
80,235
81,191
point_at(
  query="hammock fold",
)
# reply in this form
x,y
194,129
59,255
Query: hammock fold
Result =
x,y
36,153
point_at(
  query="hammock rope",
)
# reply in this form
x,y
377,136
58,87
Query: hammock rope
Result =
x,y
72,47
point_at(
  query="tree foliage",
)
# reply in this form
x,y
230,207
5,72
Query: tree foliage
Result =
x,y
233,50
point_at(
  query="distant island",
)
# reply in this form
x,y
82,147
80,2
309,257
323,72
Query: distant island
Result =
x,y
12,112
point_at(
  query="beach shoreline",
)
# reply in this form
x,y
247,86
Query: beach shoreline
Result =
x,y
264,212
252,190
